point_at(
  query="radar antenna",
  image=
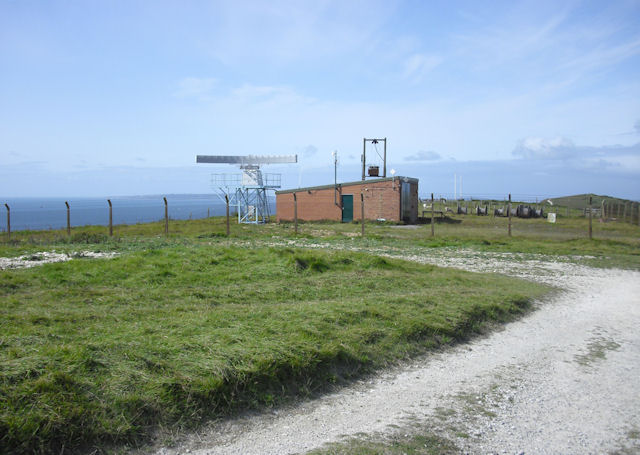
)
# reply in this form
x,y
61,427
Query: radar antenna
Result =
x,y
247,191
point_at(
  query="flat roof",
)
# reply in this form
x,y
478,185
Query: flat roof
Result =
x,y
359,182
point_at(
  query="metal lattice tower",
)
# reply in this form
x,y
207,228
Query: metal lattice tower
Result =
x,y
247,191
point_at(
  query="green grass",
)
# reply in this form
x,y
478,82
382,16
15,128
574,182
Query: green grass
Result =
x,y
176,331
421,444
182,328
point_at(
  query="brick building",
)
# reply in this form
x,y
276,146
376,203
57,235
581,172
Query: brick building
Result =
x,y
391,199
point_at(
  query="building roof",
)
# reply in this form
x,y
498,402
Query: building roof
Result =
x,y
359,182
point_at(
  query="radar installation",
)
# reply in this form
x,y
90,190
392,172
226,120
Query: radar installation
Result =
x,y
247,191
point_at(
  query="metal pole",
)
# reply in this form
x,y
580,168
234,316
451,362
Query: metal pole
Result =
x,y
226,199
384,171
362,209
590,217
509,211
364,155
432,211
68,218
295,212
110,218
166,217
8,220
335,178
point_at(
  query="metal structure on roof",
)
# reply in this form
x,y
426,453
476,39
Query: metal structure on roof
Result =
x,y
248,190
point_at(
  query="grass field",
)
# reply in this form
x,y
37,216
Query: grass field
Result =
x,y
180,329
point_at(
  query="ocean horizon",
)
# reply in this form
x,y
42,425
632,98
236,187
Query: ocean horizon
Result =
x,y
48,213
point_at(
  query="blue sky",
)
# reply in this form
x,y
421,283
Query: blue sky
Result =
x,y
112,98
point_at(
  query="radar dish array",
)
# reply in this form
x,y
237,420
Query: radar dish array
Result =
x,y
247,191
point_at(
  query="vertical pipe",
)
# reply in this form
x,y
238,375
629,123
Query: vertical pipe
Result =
x,y
364,155
362,210
455,187
226,199
295,212
166,217
384,172
208,213
590,218
432,212
8,220
68,218
110,218
602,217
509,211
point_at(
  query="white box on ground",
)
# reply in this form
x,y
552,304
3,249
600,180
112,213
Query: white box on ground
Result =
x,y
551,217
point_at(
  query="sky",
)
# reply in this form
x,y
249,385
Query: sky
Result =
x,y
108,98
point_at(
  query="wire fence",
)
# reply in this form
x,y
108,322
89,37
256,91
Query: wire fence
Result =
x,y
24,214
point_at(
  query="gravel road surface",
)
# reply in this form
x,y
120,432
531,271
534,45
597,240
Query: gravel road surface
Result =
x,y
563,379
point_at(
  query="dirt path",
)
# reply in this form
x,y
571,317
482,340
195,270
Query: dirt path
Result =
x,y
564,379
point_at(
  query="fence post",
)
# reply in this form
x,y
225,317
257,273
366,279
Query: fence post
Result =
x,y
624,212
166,216
110,218
295,212
226,200
362,207
432,212
590,218
68,218
8,220
509,212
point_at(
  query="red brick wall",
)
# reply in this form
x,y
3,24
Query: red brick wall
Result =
x,y
381,200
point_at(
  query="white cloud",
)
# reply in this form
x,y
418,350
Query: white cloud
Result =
x,y
195,87
543,148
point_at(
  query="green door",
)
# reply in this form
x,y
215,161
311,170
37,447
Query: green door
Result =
x,y
347,208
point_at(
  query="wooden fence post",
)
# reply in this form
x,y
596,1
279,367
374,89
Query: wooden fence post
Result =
x,y
68,218
509,212
8,220
362,207
166,216
110,218
590,218
295,212
226,200
432,212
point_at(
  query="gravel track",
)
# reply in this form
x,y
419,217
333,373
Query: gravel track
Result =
x,y
563,379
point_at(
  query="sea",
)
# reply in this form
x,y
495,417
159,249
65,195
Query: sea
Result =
x,y
51,213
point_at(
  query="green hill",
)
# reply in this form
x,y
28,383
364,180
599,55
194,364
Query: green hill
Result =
x,y
580,201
